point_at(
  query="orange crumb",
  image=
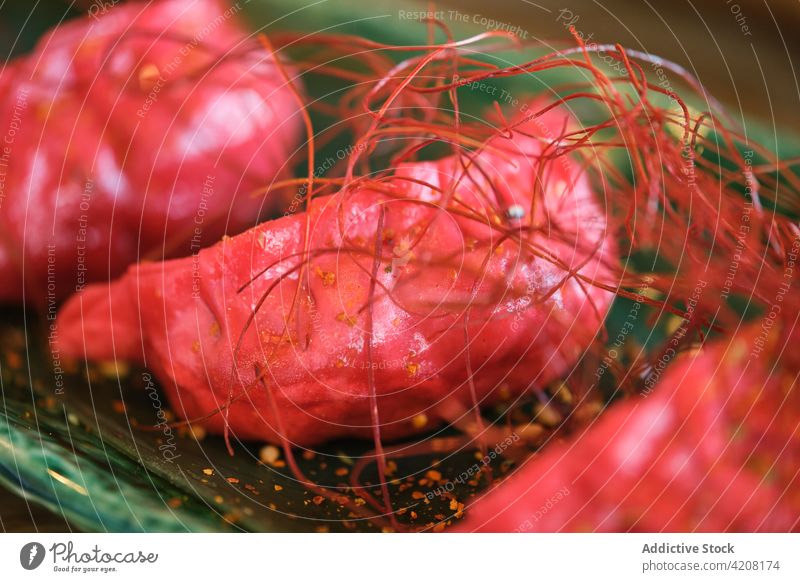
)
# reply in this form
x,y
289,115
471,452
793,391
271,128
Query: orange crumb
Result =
x,y
434,475
419,420
269,454
328,278
348,319
148,76
197,431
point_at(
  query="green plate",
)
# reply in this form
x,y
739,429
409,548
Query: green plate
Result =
x,y
93,453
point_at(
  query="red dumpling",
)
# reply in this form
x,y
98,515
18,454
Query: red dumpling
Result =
x,y
714,447
137,134
441,257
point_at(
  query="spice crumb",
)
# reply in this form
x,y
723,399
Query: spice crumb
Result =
x,y
197,431
269,454
419,421
434,475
